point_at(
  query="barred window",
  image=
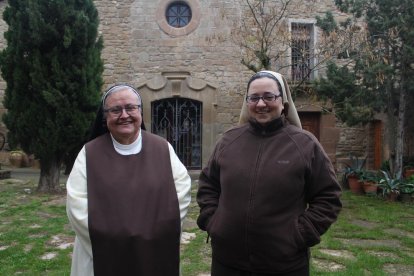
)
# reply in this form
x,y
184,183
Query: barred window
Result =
x,y
301,51
178,14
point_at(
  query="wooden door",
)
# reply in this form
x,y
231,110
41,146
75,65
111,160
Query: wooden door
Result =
x,y
311,122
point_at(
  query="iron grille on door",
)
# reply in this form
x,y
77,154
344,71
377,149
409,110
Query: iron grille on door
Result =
x,y
179,121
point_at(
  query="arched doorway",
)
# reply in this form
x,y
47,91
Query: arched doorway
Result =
x,y
179,121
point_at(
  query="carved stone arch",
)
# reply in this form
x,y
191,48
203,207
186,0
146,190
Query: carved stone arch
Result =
x,y
168,85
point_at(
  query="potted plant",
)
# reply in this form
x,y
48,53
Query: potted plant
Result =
x,y
369,181
390,186
408,166
408,171
352,173
407,189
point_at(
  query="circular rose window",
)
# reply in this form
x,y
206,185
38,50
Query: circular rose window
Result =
x,y
178,18
178,14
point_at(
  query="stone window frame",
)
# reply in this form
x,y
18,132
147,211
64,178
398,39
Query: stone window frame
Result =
x,y
176,32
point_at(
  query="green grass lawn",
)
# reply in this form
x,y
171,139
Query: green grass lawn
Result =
x,y
371,237
31,227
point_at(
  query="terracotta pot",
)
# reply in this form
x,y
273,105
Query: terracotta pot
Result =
x,y
355,185
370,187
16,159
393,196
407,197
408,172
36,164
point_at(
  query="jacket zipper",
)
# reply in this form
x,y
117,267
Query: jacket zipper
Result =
x,y
252,188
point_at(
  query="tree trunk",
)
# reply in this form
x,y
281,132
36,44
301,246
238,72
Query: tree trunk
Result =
x,y
392,127
399,143
49,177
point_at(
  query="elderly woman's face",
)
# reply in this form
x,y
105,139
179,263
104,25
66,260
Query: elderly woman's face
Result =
x,y
265,109
123,118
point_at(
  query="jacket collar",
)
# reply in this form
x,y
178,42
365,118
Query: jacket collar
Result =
x,y
268,129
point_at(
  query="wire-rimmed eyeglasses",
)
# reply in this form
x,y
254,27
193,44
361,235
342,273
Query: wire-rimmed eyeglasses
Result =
x,y
117,110
267,97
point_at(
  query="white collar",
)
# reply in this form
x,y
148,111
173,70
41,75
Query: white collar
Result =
x,y
133,148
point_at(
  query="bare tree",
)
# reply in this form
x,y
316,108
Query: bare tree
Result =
x,y
272,37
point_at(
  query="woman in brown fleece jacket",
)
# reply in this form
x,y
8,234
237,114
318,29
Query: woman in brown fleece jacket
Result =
x,y
269,191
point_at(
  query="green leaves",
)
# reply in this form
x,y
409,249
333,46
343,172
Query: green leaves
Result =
x,y
353,103
389,184
327,24
53,70
372,80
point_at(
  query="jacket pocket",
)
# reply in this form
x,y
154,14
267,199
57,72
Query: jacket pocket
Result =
x,y
300,242
307,232
210,223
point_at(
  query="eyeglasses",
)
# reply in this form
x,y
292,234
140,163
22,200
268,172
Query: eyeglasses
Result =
x,y
267,97
117,110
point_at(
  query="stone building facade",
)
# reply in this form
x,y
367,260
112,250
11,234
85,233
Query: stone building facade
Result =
x,y
191,78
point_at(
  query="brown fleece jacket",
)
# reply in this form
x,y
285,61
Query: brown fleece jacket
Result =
x,y
266,195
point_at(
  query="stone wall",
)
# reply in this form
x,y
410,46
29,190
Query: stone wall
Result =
x,y
352,140
138,49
